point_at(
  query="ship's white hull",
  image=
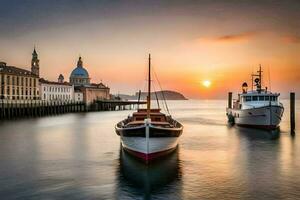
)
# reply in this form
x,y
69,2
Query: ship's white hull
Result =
x,y
150,146
148,142
267,117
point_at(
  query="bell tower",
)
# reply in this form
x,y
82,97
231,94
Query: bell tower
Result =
x,y
35,66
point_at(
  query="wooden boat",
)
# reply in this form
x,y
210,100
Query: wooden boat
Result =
x,y
149,133
258,108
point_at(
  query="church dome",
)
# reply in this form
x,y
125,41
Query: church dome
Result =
x,y
79,71
79,76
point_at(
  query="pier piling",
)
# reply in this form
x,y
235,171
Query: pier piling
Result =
x,y
292,112
12,109
230,100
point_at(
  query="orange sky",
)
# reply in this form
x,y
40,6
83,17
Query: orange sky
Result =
x,y
189,42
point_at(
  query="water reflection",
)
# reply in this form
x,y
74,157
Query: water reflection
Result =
x,y
258,134
157,179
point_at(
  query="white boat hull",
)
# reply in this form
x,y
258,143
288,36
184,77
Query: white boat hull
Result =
x,y
150,146
148,142
267,117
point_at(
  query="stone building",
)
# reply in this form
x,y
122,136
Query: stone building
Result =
x,y
35,64
85,90
20,84
61,78
78,96
94,92
56,91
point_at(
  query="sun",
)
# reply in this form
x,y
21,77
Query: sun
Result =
x,y
206,83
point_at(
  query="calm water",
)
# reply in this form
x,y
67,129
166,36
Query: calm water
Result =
x,y
78,156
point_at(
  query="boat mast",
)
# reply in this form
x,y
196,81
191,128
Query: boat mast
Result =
x,y
149,88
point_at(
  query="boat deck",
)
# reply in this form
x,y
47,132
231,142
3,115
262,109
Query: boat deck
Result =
x,y
142,122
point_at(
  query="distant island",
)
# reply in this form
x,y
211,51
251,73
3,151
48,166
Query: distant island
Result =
x,y
168,94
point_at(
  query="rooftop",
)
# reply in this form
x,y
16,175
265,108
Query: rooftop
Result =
x,y
41,80
256,93
15,70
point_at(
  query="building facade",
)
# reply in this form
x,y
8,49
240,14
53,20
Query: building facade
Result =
x,y
84,90
19,84
94,92
56,91
78,96
35,64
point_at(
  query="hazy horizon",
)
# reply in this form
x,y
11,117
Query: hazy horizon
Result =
x,y
190,42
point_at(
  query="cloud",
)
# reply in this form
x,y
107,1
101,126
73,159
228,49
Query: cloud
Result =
x,y
291,39
232,38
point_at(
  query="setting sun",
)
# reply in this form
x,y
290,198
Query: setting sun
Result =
x,y
206,83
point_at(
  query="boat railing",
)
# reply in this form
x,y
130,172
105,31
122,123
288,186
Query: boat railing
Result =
x,y
175,123
280,104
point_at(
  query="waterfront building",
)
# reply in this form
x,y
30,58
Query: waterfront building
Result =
x,y
61,78
80,76
35,64
84,90
20,84
78,95
94,92
60,91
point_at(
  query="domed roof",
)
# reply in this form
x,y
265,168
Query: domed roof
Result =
x,y
79,71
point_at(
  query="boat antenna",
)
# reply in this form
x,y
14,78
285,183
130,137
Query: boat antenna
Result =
x,y
260,79
149,87
269,74
252,79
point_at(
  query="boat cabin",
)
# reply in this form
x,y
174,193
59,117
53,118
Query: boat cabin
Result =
x,y
155,115
261,97
253,99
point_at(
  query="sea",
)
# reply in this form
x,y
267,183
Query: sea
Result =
x,y
79,156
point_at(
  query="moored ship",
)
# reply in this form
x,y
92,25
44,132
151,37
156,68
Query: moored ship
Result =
x,y
257,108
149,133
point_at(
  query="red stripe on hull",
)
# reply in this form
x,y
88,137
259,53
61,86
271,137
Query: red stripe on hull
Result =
x,y
151,156
266,127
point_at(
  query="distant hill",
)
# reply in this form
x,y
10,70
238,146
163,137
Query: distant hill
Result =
x,y
168,94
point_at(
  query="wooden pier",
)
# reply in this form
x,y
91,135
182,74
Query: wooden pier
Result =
x,y
110,105
13,109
